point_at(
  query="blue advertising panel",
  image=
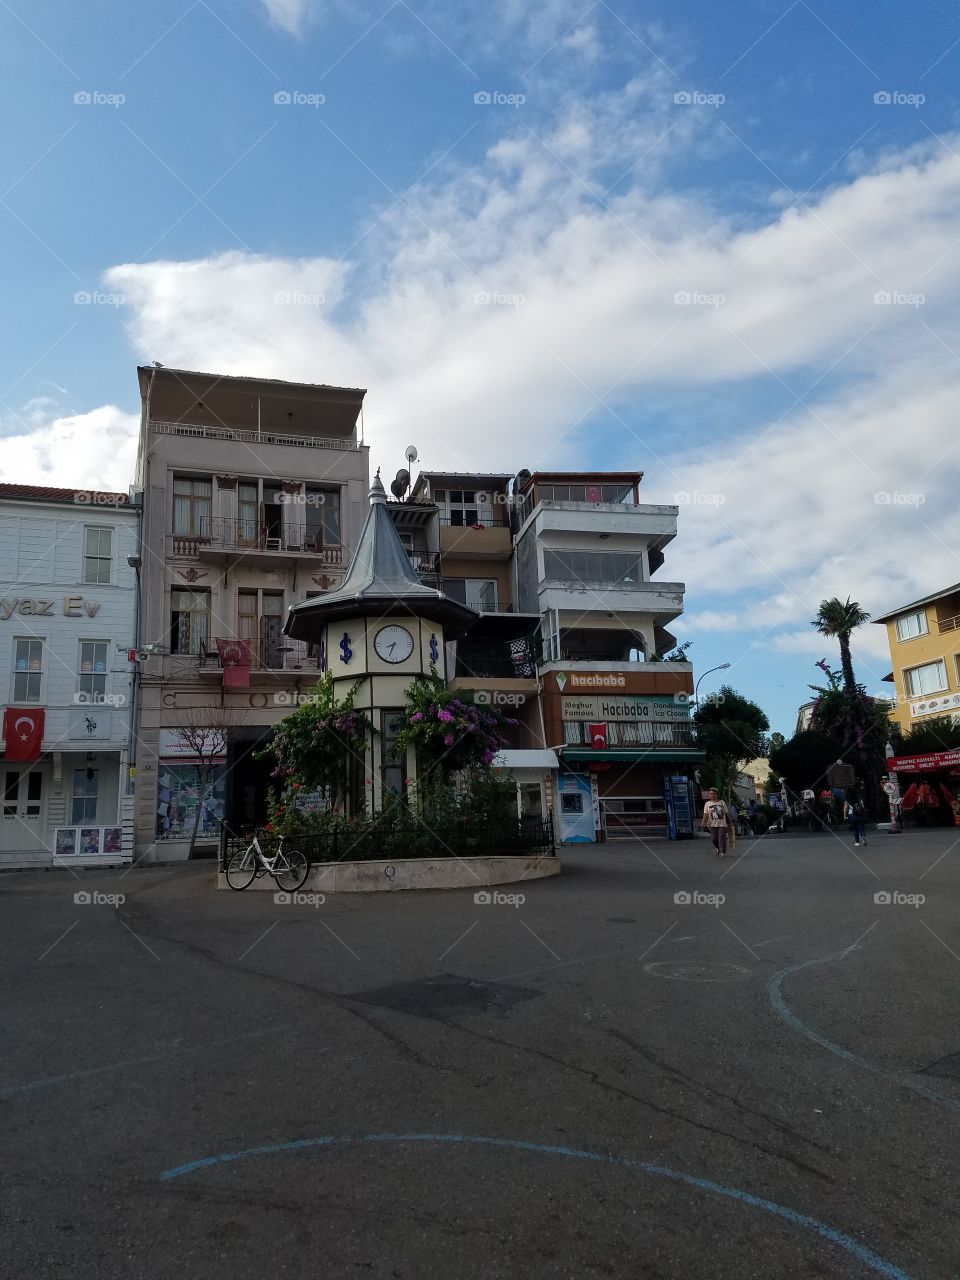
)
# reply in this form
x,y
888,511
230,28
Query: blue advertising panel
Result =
x,y
575,820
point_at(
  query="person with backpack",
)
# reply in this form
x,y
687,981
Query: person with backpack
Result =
x,y
853,811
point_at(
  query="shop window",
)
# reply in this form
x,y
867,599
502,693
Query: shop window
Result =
x,y
86,785
930,678
27,670
912,625
180,789
97,554
191,507
189,620
92,676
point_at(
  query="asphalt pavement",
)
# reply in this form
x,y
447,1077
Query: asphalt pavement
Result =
x,y
658,1064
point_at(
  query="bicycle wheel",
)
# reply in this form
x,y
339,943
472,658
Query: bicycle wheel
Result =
x,y
241,869
291,870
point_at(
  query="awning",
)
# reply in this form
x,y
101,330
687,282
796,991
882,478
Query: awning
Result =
x,y
539,759
678,755
917,764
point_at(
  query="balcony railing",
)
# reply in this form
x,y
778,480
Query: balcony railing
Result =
x,y
251,437
516,660
625,735
484,520
269,655
227,534
949,624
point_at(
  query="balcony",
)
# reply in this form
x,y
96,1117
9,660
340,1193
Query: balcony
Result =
x,y
271,661
948,624
513,660
488,539
221,538
252,437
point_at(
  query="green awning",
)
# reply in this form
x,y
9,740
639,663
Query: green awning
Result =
x,y
676,756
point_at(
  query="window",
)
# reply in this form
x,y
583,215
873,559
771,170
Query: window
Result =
x,y
623,568
180,789
27,670
394,767
86,784
21,801
92,676
478,593
191,507
322,516
462,506
260,620
189,620
930,678
248,508
97,554
912,625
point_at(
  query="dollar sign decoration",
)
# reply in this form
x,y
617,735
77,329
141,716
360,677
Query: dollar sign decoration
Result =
x,y
345,649
434,649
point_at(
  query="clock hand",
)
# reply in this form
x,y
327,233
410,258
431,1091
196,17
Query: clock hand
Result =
x,y
391,647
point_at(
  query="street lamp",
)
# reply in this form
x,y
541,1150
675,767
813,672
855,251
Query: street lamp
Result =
x,y
722,667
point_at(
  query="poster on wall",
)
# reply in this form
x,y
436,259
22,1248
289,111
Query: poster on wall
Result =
x,y
65,845
112,839
180,790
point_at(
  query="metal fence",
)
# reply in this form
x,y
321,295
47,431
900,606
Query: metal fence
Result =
x,y
377,838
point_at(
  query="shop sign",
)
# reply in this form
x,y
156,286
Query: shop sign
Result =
x,y
939,705
654,707
917,764
89,726
27,606
171,746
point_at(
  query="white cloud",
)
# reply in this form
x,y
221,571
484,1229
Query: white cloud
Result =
x,y
94,450
577,327
290,15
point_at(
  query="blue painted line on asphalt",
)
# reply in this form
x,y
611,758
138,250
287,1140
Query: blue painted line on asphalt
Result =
x,y
775,992
880,1265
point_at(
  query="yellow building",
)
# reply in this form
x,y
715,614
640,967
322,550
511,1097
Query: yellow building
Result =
x,y
924,639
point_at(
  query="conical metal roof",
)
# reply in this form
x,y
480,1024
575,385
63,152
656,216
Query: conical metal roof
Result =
x,y
381,581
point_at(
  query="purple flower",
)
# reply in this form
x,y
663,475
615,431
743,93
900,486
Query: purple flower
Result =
x,y
487,757
445,716
416,717
448,739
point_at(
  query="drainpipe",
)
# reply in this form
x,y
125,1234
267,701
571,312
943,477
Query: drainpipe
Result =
x,y
135,563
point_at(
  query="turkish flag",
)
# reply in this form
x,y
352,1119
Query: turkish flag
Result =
x,y
235,658
22,733
598,736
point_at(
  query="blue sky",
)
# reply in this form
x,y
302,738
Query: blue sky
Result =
x,y
632,156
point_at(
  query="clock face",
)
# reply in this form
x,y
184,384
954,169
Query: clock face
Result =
x,y
393,644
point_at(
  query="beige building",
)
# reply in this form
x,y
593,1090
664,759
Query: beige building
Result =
x,y
254,493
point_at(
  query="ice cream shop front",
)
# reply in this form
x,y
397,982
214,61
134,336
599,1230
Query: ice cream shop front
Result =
x,y
627,756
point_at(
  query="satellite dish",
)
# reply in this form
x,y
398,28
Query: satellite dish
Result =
x,y
411,454
401,484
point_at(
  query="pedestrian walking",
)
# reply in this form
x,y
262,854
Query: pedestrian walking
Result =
x,y
752,816
854,813
716,820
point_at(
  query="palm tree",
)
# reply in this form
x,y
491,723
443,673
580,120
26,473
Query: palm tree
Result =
x,y
839,618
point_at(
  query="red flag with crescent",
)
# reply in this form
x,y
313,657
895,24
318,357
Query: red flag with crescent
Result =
x,y
598,736
22,733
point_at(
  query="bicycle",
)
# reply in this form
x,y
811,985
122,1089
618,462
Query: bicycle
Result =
x,y
289,868
825,822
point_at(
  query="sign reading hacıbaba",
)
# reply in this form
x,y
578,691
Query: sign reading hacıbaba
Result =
x,y
596,680
601,707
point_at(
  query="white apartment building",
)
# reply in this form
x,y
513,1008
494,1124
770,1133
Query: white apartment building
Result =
x,y
67,628
254,493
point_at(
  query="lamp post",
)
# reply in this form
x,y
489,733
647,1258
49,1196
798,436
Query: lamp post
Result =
x,y
722,667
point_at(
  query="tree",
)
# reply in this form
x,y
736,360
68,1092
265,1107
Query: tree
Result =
x,y
939,734
731,730
204,733
804,759
841,618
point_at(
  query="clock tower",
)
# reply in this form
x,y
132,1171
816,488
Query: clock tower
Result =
x,y
382,627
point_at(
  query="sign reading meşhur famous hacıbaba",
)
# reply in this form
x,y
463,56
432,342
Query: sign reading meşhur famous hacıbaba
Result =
x,y
602,707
